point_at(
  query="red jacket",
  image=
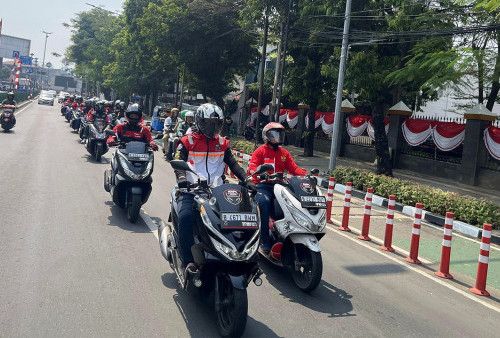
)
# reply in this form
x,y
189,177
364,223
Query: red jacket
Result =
x,y
281,159
128,133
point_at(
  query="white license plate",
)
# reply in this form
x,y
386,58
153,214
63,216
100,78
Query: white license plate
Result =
x,y
138,155
227,217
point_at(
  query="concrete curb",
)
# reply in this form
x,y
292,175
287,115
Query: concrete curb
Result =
x,y
430,217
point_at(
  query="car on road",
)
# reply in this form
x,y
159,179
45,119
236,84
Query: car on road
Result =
x,y
61,96
46,98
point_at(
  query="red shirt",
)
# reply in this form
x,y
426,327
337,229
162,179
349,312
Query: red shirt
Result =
x,y
128,133
281,159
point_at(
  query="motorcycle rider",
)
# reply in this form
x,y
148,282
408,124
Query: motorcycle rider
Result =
x,y
208,153
10,101
273,135
121,110
132,129
186,124
98,111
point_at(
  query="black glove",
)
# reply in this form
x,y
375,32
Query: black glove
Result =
x,y
250,185
183,183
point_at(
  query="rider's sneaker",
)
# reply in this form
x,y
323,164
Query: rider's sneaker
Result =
x,y
264,249
190,269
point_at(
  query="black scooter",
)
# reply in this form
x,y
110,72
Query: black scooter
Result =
x,y
227,233
129,180
7,118
95,143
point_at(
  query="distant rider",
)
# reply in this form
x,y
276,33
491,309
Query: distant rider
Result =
x,y
186,124
132,129
273,135
9,101
208,153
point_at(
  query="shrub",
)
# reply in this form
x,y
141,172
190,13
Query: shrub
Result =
x,y
468,209
246,146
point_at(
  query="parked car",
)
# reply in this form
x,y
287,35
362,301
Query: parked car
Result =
x,y
46,98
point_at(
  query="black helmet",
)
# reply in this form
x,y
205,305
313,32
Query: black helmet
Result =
x,y
208,119
99,106
134,114
10,95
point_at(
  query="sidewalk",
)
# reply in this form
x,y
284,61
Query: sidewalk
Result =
x,y
321,161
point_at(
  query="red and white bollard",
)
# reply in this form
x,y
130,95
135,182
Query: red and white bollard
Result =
x,y
444,267
415,235
482,268
329,199
347,208
389,224
366,216
18,71
242,153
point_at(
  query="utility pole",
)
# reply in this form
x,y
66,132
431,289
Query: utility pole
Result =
x,y
44,49
339,116
176,88
181,98
285,42
274,107
261,81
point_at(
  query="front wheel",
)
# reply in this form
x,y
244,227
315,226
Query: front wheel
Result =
x,y
133,207
231,308
307,268
98,152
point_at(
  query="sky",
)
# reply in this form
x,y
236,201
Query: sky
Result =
x,y
27,19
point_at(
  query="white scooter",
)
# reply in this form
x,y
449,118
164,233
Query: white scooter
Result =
x,y
298,225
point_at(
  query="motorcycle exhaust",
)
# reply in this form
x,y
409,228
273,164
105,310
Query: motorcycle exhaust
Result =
x,y
162,235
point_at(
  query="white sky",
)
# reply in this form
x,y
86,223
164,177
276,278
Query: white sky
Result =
x,y
27,19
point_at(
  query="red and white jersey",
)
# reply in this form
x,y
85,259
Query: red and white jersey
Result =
x,y
206,156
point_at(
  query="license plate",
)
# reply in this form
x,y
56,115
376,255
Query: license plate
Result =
x,y
138,155
318,202
239,221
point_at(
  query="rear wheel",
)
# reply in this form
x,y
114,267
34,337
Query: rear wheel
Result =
x,y
231,308
133,207
307,268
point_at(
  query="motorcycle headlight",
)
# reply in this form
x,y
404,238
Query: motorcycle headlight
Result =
x,y
322,221
130,173
297,214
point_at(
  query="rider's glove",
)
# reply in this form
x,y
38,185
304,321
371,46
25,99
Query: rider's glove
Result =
x,y
250,185
154,146
183,183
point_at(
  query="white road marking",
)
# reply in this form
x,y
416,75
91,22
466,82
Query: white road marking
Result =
x,y
149,222
23,109
417,270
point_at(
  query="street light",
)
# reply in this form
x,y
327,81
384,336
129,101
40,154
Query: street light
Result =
x,y
44,49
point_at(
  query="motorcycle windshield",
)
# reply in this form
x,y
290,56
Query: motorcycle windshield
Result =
x,y
135,147
100,125
301,187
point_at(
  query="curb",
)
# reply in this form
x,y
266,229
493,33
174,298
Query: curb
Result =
x,y
430,217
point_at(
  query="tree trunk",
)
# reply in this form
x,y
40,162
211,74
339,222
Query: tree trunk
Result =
x,y
384,164
309,139
495,85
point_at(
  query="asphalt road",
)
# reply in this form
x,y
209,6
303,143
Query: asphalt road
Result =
x,y
71,264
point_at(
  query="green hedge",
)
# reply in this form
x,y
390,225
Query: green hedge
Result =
x,y
247,146
468,209
19,97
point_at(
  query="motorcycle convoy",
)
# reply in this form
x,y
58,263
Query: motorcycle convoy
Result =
x,y
227,220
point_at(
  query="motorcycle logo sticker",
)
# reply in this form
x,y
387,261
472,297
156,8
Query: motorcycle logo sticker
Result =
x,y
307,187
233,196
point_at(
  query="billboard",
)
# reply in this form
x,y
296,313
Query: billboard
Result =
x,y
10,45
65,82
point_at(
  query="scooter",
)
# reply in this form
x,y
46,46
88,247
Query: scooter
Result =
x,y
7,118
75,120
129,180
171,147
298,225
95,143
226,236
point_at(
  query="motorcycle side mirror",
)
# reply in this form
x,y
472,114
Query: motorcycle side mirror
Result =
x,y
263,168
180,165
110,132
314,171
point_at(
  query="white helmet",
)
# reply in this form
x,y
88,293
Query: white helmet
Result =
x,y
209,119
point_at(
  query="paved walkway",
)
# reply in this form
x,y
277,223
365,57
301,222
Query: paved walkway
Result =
x,y
321,161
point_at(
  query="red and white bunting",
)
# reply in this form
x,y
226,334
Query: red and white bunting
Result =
x,y
317,122
416,131
371,130
448,135
492,141
292,118
356,125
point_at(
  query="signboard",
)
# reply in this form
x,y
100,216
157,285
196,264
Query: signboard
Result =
x,y
16,54
10,44
25,60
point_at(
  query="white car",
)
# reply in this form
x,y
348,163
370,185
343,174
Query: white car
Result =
x,y
60,97
46,98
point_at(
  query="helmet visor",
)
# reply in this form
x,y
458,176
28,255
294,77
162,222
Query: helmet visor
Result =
x,y
276,136
210,127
